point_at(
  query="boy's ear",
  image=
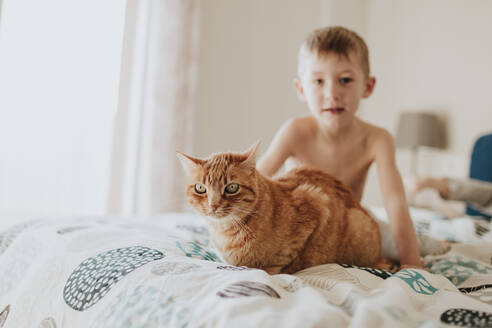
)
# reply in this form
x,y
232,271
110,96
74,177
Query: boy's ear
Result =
x,y
251,153
299,89
370,84
189,163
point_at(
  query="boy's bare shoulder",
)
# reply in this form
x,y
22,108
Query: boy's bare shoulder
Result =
x,y
301,128
380,140
305,126
377,132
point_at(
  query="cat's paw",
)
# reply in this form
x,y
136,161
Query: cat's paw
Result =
x,y
273,270
387,265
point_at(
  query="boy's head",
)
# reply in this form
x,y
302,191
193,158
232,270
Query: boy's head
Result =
x,y
334,73
335,40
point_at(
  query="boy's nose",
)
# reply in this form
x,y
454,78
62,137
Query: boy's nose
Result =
x,y
331,92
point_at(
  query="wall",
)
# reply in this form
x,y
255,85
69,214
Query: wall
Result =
x,y
431,55
246,66
247,63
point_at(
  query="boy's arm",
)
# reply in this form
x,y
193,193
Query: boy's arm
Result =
x,y
475,192
394,201
280,149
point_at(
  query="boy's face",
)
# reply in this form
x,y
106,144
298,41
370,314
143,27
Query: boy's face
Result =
x,y
332,87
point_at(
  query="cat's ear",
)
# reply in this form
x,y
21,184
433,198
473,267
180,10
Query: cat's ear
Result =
x,y
189,163
251,153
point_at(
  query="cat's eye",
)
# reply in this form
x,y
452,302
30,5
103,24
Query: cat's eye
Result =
x,y
200,189
232,188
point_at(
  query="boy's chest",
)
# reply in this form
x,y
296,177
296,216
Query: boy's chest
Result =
x,y
349,164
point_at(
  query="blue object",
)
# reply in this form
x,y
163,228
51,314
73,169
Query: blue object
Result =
x,y
481,167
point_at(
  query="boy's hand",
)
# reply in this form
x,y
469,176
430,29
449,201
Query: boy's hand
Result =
x,y
416,184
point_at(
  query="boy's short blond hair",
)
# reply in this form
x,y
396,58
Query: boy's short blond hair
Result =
x,y
338,40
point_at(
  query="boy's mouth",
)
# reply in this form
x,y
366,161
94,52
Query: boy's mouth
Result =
x,y
333,110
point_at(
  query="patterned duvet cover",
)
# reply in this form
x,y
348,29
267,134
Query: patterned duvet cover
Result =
x,y
163,272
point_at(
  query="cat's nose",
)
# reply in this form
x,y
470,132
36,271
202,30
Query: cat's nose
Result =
x,y
214,207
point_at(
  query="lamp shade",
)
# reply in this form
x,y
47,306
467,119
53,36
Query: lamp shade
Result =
x,y
419,129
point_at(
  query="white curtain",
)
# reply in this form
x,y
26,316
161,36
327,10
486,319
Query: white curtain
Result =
x,y
155,112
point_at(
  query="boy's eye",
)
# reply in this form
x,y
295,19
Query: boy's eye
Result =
x,y
345,80
318,81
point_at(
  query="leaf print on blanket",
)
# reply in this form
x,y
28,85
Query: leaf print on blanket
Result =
x,y
247,289
474,289
66,230
482,293
294,285
197,250
467,318
328,276
199,230
481,228
234,268
457,268
144,306
95,276
383,274
401,315
47,323
165,268
416,281
4,314
398,314
8,236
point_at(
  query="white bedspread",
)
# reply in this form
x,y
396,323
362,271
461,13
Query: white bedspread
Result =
x,y
163,272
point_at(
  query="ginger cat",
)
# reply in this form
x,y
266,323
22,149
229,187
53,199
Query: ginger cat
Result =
x,y
282,225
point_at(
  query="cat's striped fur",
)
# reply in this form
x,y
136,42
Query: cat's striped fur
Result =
x,y
282,225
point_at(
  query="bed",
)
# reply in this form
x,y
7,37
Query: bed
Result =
x,y
163,272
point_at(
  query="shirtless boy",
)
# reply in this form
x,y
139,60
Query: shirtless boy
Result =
x,y
333,77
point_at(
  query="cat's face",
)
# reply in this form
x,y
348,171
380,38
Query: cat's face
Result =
x,y
222,186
